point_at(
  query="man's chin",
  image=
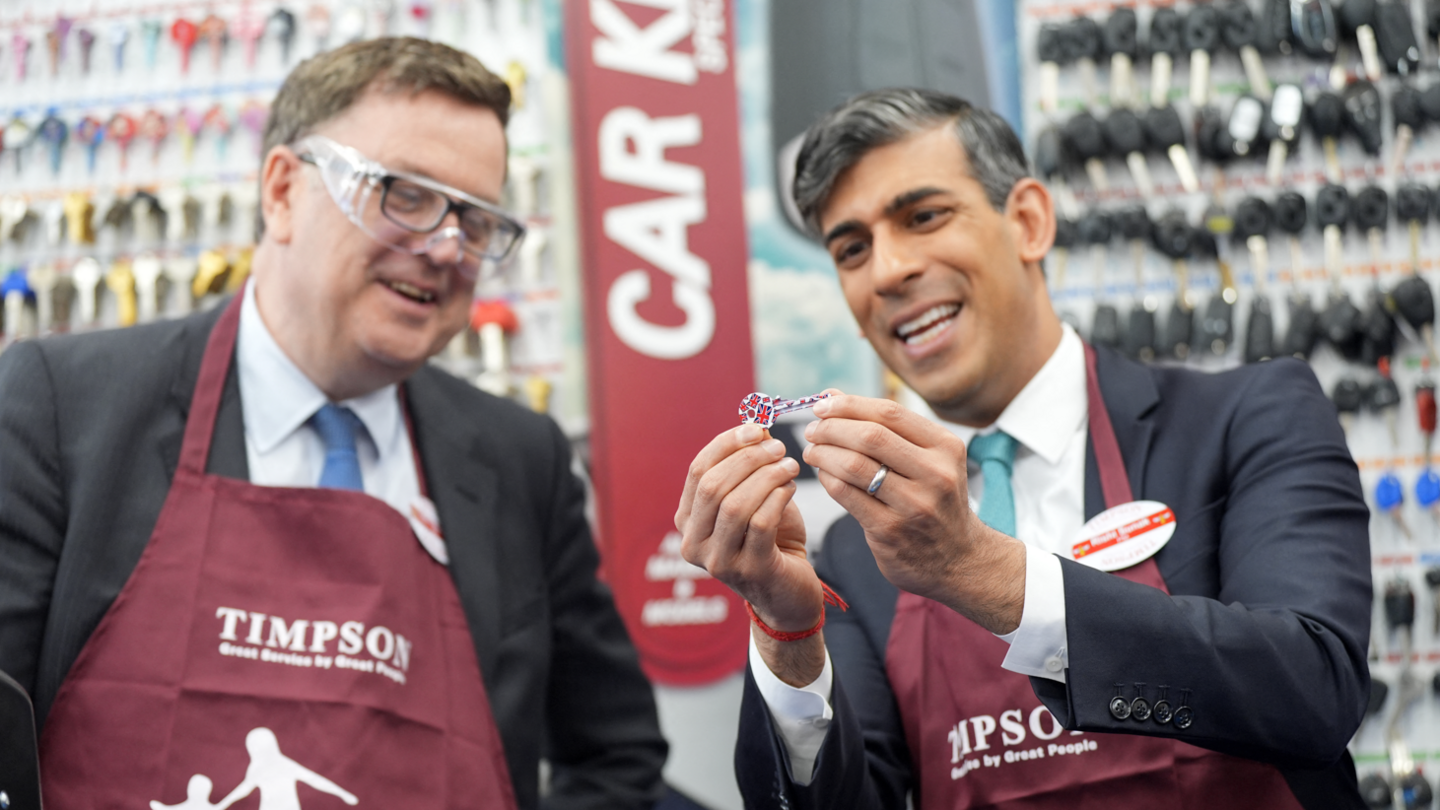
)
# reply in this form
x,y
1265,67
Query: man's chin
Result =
x,y
947,394
402,354
934,375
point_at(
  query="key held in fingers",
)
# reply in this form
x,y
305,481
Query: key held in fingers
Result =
x,y
762,409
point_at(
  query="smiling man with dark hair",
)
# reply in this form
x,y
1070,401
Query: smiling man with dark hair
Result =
x,y
990,655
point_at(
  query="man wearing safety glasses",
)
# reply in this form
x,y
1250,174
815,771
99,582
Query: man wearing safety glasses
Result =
x,y
268,545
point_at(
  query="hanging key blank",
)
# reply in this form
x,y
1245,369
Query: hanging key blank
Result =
x,y
1202,38
1357,20
1239,33
1125,135
1282,127
1085,139
1165,42
1327,120
1166,133
1121,42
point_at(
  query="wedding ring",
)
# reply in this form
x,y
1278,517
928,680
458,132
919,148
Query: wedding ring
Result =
x,y
879,479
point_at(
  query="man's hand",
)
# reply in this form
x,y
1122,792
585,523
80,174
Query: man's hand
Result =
x,y
740,525
918,523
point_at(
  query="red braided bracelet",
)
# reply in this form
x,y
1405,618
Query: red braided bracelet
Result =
x,y
831,598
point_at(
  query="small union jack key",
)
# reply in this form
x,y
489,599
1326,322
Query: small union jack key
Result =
x,y
762,409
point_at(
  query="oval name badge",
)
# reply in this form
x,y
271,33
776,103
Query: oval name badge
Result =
x,y
1121,537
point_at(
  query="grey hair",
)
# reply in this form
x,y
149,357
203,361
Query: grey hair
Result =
x,y
870,120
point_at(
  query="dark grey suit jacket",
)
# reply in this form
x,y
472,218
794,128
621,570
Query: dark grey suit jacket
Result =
x,y
90,434
1267,623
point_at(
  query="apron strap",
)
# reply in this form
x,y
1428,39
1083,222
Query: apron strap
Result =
x,y
1113,480
205,403
403,395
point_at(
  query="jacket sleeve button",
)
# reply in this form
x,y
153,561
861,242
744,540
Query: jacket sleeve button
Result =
x,y
1184,717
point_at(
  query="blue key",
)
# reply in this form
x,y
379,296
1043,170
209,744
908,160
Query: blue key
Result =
x,y
16,282
14,291
1390,496
119,35
1427,488
1388,492
90,132
54,132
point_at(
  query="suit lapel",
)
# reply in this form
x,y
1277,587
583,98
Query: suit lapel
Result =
x,y
227,448
465,489
1130,396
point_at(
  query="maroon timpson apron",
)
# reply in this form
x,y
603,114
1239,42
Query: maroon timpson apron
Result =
x,y
291,648
980,738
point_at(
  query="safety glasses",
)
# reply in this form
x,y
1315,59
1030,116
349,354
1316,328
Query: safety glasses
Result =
x,y
404,211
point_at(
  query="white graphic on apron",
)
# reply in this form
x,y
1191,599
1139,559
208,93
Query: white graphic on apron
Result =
x,y
272,773
197,796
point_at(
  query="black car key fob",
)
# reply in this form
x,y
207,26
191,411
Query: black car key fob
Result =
x,y
1313,28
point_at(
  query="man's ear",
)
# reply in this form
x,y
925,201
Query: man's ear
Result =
x,y
280,184
1031,215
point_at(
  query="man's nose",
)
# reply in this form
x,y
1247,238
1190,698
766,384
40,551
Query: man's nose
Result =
x,y
445,244
896,261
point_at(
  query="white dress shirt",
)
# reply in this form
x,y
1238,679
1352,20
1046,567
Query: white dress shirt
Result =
x,y
277,400
1048,418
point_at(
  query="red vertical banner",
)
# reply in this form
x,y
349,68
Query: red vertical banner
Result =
x,y
657,141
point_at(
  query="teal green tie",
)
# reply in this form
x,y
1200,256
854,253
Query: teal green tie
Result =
x,y
995,453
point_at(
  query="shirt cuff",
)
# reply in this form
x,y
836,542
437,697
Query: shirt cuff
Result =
x,y
1039,646
801,715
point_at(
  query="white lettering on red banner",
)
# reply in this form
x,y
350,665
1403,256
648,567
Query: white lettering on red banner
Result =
x,y
683,607
657,133
632,151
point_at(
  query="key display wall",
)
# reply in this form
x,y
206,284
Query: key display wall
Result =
x,y
131,145
1249,179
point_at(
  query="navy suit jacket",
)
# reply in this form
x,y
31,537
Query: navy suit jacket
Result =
x,y
90,434
1267,623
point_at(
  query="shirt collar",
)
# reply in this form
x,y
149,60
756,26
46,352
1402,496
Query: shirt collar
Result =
x,y
1050,408
277,398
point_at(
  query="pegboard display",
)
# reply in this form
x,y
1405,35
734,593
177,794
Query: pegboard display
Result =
x,y
131,146
1236,183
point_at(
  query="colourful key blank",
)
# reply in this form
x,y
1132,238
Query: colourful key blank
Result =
x,y
762,409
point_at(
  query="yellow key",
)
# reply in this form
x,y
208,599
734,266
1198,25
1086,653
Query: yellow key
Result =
x,y
515,76
187,126
121,281
239,270
80,218
537,390
210,275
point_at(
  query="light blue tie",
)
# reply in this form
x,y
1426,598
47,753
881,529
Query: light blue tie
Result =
x,y
995,453
338,427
